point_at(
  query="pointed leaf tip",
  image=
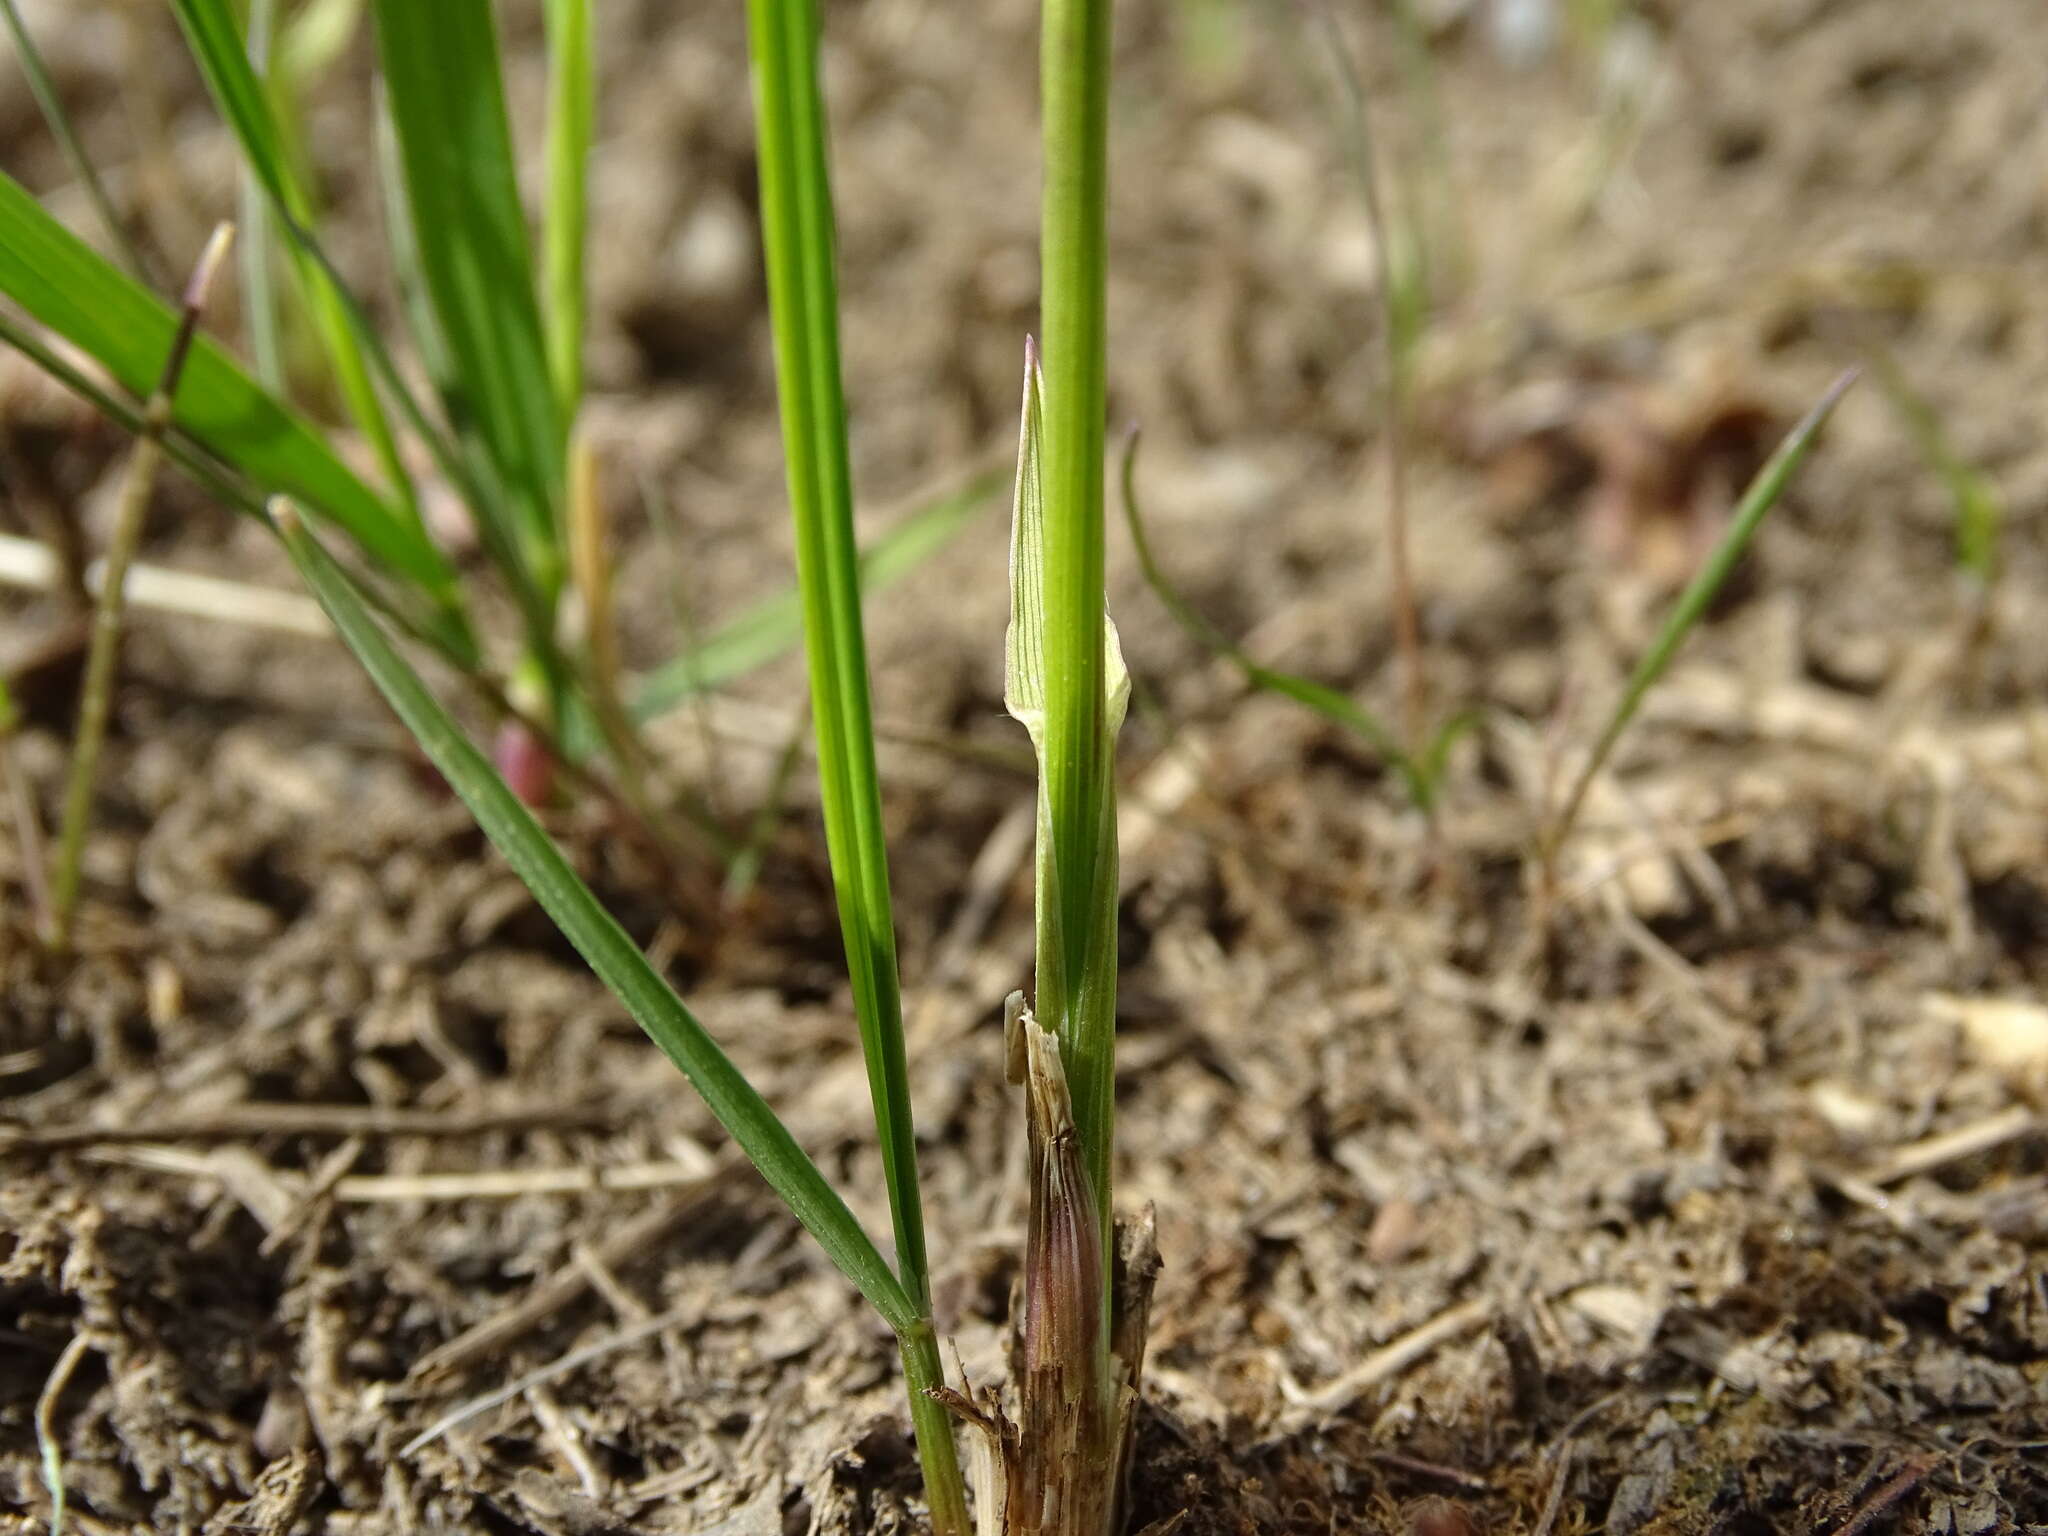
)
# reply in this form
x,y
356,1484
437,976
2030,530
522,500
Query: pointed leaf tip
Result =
x,y
1024,662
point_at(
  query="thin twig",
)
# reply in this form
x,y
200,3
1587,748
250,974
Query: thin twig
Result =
x,y
553,1370
318,1196
137,483
512,1183
590,572
1382,1364
1434,1471
562,1434
569,1282
31,564
243,1120
1553,1500
1926,1155
1901,1483
403,1188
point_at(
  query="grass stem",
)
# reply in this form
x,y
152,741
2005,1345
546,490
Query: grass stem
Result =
x,y
1074,65
138,481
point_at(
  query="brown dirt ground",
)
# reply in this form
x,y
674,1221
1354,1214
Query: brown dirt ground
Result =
x,y
1726,1208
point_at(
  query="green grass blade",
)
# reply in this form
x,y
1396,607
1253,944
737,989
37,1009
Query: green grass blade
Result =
x,y
599,938
572,123
214,478
1076,761
1699,594
247,107
1337,707
798,245
59,122
774,627
1978,509
65,285
446,95
796,218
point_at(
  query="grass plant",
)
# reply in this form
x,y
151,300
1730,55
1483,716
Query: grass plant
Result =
x,y
1420,772
496,324
1688,609
1066,682
502,345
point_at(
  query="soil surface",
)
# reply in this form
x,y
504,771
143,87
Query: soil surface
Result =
x,y
1710,1195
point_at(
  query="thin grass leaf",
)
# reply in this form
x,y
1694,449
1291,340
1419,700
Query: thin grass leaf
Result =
x,y
774,627
1699,594
798,245
572,123
1024,671
445,91
599,938
1418,778
59,123
796,218
205,471
65,285
452,641
224,58
1974,501
1435,757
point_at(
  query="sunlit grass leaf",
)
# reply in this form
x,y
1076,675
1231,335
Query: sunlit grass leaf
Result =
x,y
447,104
65,285
598,936
315,36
